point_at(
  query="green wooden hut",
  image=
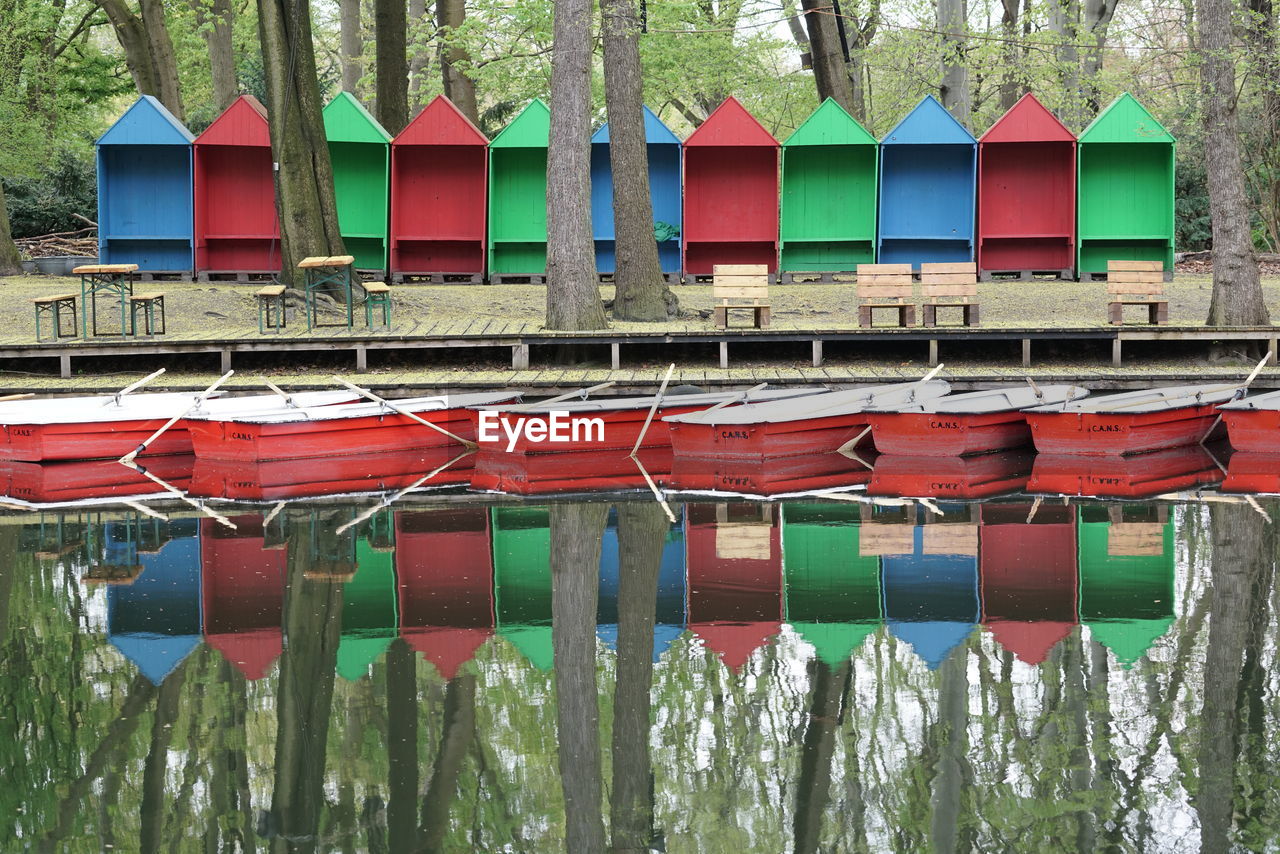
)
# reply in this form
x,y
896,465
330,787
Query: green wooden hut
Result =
x,y
522,581
832,592
369,619
361,154
1124,189
518,198
829,175
1126,578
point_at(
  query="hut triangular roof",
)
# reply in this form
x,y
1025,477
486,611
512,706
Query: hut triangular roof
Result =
x,y
731,124
147,122
655,132
242,123
1028,121
346,120
1125,120
929,123
830,124
441,123
530,129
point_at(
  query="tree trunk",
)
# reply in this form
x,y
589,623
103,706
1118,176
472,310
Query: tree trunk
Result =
x,y
458,87
1064,20
418,56
10,257
954,89
402,739
456,736
352,44
829,71
641,291
576,530
1237,291
1010,86
148,51
154,806
391,55
862,32
951,740
813,788
216,25
1264,49
162,56
642,533
1097,19
305,199
573,296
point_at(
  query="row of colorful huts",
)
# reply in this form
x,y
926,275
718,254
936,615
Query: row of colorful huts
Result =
x,y
446,580
441,200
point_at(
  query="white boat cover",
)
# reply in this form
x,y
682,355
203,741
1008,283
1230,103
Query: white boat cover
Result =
x,y
1146,400
990,401
826,405
360,409
1266,400
619,404
149,406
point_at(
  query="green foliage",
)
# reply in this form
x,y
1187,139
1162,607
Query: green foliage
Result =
x,y
1194,227
48,201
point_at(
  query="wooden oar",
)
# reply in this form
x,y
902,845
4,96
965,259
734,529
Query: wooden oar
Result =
x,y
1248,382
853,443
737,398
1036,389
657,401
653,487
387,502
579,393
128,458
275,511
177,493
133,387
466,443
22,396
146,511
288,398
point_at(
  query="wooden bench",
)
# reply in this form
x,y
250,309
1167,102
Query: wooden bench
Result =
x,y
887,286
271,298
949,285
52,307
377,295
741,287
151,306
1135,283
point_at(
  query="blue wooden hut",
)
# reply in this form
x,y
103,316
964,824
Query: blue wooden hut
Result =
x,y
928,181
155,621
664,191
930,600
144,191
669,622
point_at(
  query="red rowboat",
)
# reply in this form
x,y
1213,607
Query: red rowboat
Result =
x,y
1251,472
346,429
770,476
1135,422
1253,424
582,471
110,426
1170,470
602,424
279,480
91,480
961,478
813,424
977,422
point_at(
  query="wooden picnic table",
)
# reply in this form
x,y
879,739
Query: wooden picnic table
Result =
x,y
112,279
321,272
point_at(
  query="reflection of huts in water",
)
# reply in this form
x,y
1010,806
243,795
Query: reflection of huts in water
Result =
x,y
522,581
669,606
242,591
369,600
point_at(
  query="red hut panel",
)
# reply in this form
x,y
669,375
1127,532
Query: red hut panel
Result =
x,y
236,227
242,593
445,577
1027,193
730,192
1029,577
735,577
439,170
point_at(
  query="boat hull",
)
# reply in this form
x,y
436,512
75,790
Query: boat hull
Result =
x,y
618,431
59,482
584,471
278,480
90,441
923,434
772,476
762,441
962,478
1253,472
1170,470
1253,430
1112,434
248,441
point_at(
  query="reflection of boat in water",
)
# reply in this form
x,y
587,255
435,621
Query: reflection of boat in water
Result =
x,y
1124,477
1253,424
734,577
976,422
1135,422
91,480
242,593
958,478
571,472
445,574
771,475
278,480
1029,579
1250,471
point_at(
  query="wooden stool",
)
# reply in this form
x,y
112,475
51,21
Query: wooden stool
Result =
x,y
151,306
741,287
52,306
377,294
271,297
1136,283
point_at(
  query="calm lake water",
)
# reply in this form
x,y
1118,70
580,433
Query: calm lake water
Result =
x,y
458,674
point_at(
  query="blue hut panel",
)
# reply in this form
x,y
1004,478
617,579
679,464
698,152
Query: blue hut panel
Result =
x,y
144,190
664,191
670,617
928,181
930,600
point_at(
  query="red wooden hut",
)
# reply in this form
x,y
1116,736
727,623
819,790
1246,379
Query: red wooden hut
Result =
x,y
734,588
444,575
1029,577
236,227
1027,193
730,192
242,593
439,171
